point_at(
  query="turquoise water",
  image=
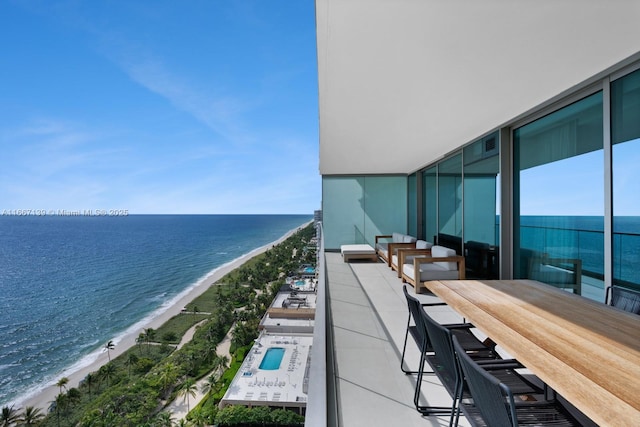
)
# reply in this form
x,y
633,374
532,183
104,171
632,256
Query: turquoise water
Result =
x,y
70,284
272,359
583,237
309,270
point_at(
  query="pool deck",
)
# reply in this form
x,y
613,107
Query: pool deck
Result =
x,y
283,387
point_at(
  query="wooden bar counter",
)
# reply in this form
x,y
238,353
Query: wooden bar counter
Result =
x,y
585,350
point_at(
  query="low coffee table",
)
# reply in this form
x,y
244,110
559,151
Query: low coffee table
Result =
x,y
364,251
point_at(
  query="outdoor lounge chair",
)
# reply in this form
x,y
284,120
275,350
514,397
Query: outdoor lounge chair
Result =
x,y
385,250
623,298
443,264
493,400
407,255
563,273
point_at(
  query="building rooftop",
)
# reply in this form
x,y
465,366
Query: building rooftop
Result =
x,y
291,312
273,373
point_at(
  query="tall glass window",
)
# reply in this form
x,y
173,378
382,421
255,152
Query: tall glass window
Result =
x,y
625,136
450,203
481,183
559,198
430,203
412,189
356,209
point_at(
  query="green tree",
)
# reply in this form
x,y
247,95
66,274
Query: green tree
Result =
x,y
108,347
209,384
188,389
149,335
168,376
89,380
62,383
286,418
163,419
74,395
58,406
9,416
220,364
209,350
141,339
31,416
132,359
198,418
107,372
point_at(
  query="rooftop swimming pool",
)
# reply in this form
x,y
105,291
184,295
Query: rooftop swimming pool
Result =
x,y
272,359
309,270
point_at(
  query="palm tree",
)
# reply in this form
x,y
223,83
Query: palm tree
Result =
x,y
189,388
132,359
140,340
57,405
198,418
9,416
74,395
149,334
89,380
209,349
109,346
168,375
163,419
62,382
221,363
31,416
107,371
207,386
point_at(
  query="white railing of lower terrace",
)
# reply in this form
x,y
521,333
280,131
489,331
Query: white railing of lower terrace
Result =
x,y
318,396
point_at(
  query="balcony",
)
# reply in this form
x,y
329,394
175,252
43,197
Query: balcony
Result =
x,y
368,315
365,322
355,377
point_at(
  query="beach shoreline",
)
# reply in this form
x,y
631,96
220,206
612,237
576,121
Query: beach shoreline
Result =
x,y
42,398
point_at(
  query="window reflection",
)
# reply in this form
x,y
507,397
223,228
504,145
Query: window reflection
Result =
x,y
625,131
450,203
481,172
558,183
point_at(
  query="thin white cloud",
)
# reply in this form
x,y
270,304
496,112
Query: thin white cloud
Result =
x,y
219,112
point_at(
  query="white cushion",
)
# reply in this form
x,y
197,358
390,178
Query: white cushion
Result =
x,y
408,239
384,247
408,259
442,252
362,249
421,244
430,271
397,238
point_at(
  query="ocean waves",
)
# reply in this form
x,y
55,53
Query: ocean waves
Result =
x,y
67,285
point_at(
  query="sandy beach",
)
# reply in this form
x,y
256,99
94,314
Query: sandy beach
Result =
x,y
43,398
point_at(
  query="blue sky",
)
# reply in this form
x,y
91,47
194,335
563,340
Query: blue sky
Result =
x,y
159,106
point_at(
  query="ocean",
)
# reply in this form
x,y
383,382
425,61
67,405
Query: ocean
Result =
x,y
583,237
68,284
